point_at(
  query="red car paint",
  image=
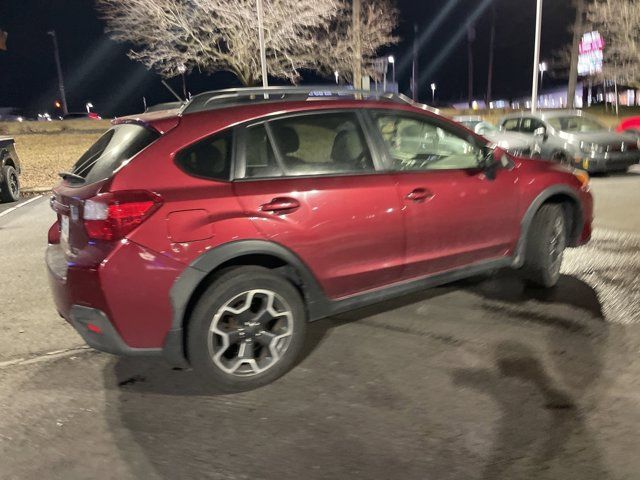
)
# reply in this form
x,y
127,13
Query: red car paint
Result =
x,y
631,125
355,233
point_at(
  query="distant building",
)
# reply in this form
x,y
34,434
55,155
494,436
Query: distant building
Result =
x,y
556,97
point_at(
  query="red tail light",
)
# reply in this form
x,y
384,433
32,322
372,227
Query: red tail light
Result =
x,y
53,236
111,216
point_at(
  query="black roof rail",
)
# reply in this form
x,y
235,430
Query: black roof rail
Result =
x,y
237,96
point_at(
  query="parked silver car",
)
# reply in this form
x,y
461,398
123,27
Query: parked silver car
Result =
x,y
575,139
515,143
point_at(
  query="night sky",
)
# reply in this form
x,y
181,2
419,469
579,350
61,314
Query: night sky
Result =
x,y
96,69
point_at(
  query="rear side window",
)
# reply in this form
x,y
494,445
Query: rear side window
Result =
x,y
321,144
209,158
117,145
259,156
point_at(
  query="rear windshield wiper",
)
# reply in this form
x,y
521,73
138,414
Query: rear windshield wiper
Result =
x,y
71,176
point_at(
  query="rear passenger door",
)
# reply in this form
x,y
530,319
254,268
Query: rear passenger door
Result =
x,y
312,183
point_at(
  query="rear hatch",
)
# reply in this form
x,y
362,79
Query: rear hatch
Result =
x,y
87,226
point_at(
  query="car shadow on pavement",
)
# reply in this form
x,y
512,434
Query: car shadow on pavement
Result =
x,y
541,432
543,394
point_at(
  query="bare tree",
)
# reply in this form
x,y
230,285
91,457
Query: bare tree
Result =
x,y
618,21
214,35
336,47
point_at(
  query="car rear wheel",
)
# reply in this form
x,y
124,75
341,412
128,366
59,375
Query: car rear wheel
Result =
x,y
247,329
546,242
10,185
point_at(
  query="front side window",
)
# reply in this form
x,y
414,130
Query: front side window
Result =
x,y
416,144
321,144
209,158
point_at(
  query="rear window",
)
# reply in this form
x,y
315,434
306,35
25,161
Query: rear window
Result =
x,y
112,149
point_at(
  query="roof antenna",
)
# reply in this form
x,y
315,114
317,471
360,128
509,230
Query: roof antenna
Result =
x,y
173,91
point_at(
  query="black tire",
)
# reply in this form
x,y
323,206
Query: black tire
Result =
x,y
546,242
211,353
10,185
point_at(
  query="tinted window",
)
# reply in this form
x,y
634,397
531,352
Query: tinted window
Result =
x,y
511,124
321,144
416,144
530,125
209,158
118,144
260,160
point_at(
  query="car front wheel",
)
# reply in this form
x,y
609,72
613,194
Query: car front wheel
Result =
x,y
247,330
546,242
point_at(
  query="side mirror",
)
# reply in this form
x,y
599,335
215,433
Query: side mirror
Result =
x,y
540,132
495,160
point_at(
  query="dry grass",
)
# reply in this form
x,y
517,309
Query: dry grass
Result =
x,y
46,148
44,155
68,126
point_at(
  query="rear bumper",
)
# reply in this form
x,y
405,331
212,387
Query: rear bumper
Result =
x,y
96,329
121,306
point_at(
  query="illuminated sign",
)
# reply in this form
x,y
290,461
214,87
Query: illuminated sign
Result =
x,y
591,54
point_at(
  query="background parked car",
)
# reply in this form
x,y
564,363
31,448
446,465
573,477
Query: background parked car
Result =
x,y
82,116
10,114
575,139
515,143
9,171
630,125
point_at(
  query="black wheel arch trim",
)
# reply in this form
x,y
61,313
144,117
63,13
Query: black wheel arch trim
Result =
x,y
190,279
544,196
317,303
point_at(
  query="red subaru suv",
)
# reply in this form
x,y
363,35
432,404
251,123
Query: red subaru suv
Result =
x,y
213,233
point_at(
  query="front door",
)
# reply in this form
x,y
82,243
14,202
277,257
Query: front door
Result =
x,y
454,215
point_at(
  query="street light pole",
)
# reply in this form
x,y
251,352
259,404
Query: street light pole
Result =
x,y
56,55
433,94
543,68
536,57
182,69
392,61
263,52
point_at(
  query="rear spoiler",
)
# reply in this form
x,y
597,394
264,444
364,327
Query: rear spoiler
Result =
x,y
159,125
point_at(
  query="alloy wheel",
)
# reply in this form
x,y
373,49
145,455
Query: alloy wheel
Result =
x,y
14,185
250,332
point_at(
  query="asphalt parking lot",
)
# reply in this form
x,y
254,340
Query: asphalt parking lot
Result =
x,y
483,379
